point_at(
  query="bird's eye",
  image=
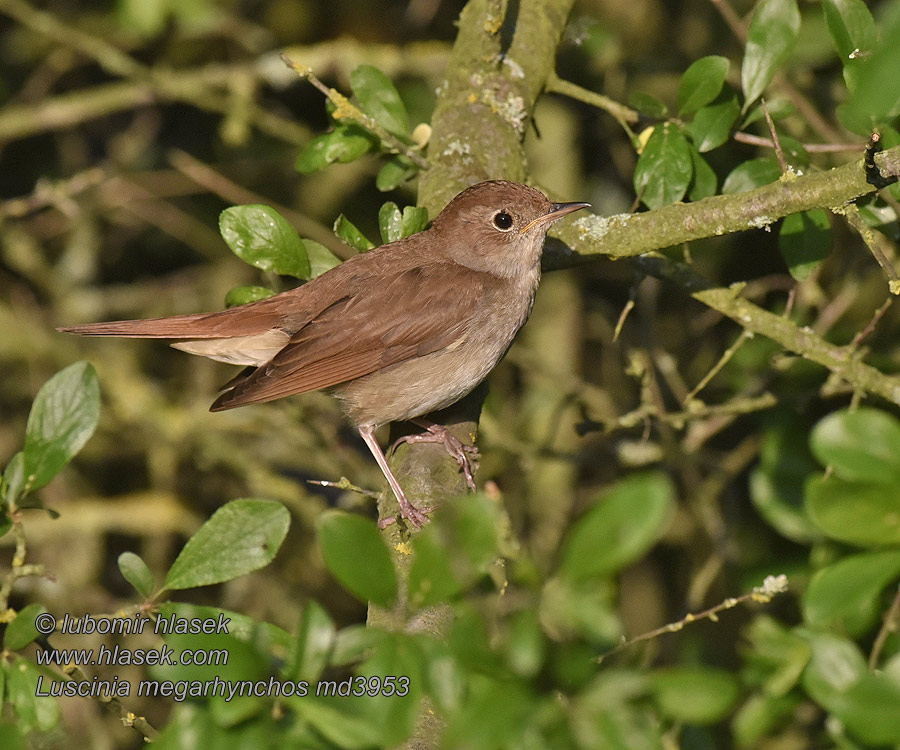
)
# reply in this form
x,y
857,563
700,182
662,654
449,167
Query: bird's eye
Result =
x,y
503,221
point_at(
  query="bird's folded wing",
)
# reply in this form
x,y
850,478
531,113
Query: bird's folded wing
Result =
x,y
409,314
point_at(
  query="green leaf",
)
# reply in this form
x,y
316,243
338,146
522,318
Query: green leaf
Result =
x,y
664,168
357,556
242,536
13,483
701,83
703,183
22,631
694,694
648,105
32,712
846,596
772,33
244,295
621,527
805,241
712,124
778,110
776,655
862,444
11,738
862,513
851,26
394,173
379,99
135,571
314,644
348,233
415,219
321,259
838,679
876,93
262,237
751,174
344,144
62,419
390,222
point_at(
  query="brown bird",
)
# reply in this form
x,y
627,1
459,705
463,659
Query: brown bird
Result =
x,y
398,332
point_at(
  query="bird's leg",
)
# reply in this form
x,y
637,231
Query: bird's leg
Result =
x,y
458,450
410,512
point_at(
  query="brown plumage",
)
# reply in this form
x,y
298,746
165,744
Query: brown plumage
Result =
x,y
403,330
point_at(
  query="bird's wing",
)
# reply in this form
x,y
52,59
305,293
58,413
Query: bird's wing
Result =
x,y
406,315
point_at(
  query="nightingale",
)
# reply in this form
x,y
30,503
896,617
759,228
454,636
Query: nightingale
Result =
x,y
395,333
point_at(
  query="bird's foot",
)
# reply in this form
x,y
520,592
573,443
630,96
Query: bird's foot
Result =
x,y
416,517
458,450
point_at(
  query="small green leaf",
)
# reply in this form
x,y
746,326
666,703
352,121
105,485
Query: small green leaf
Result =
x,y
13,483
701,83
859,445
242,536
712,124
394,173
22,631
664,168
694,695
876,93
620,528
321,259
135,571
344,144
379,99
846,596
415,219
357,556
62,419
262,237
390,222
347,232
861,513
805,241
770,39
32,712
850,25
648,105
244,295
751,174
703,183
314,644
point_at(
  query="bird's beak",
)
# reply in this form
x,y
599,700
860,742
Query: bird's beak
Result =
x,y
557,210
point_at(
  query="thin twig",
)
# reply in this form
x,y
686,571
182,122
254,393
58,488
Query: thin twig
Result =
x,y
821,148
890,625
779,152
717,368
874,241
771,587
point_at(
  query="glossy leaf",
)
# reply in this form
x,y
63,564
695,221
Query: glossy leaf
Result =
x,y
619,528
846,596
32,712
379,99
770,39
344,144
356,555
751,174
862,513
262,237
415,219
394,173
664,168
63,417
805,241
861,444
390,222
876,93
347,232
712,124
242,536
244,295
314,644
321,259
648,105
694,694
701,83
704,181
22,631
850,25
135,571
